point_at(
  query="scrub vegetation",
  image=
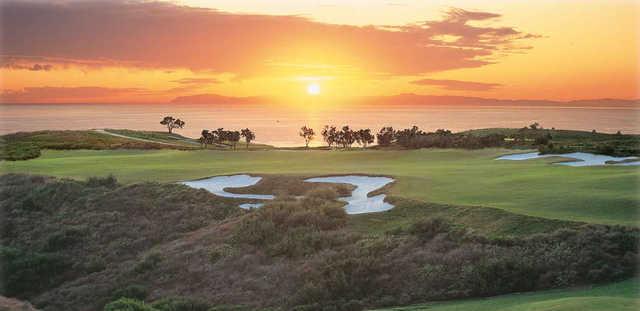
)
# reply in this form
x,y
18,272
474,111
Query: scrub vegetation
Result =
x,y
98,244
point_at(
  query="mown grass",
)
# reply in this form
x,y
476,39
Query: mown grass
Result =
x,y
607,195
616,296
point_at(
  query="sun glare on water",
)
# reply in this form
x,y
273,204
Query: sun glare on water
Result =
x,y
313,89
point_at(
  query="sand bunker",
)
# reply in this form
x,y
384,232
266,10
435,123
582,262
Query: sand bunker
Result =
x,y
217,184
359,202
582,158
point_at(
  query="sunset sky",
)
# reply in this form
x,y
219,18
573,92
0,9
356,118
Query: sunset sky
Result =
x,y
141,51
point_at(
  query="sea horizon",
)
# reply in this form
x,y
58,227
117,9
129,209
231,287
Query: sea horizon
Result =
x,y
279,126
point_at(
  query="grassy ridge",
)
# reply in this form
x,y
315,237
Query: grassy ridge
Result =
x,y
460,177
617,296
29,145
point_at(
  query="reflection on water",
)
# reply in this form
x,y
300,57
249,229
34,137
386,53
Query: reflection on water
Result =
x,y
279,126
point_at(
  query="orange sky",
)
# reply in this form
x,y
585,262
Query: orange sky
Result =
x,y
113,51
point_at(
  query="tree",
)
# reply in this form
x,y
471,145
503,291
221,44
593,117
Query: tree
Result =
x,y
233,137
206,138
385,136
329,135
364,137
408,137
346,137
219,135
307,133
248,136
535,126
172,123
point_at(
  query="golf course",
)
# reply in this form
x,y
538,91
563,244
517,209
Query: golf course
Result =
x,y
605,195
455,219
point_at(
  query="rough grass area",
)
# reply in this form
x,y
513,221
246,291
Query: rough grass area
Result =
x,y
165,137
565,141
459,177
28,145
623,296
291,185
79,245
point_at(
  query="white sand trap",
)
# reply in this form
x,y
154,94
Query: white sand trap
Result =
x,y
582,158
358,202
251,205
217,184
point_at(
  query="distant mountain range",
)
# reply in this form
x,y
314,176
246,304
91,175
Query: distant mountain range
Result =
x,y
414,100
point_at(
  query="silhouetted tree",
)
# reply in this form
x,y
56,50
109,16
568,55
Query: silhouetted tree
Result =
x,y
172,123
346,137
535,126
206,138
248,136
364,137
329,135
407,137
307,133
385,136
233,137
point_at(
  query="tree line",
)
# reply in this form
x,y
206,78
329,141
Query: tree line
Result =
x,y
210,137
334,137
411,138
225,137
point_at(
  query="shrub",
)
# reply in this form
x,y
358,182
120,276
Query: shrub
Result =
x,y
428,229
25,273
232,308
180,304
19,151
95,264
134,291
149,262
108,182
293,228
65,239
127,304
220,251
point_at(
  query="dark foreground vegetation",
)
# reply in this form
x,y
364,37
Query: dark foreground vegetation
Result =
x,y
99,245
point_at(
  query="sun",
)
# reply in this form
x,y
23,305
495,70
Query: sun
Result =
x,y
313,89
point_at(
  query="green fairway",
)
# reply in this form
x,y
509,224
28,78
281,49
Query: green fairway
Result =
x,y
472,178
617,296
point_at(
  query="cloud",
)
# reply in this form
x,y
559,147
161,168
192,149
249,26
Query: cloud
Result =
x,y
165,35
15,64
457,85
69,94
197,81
